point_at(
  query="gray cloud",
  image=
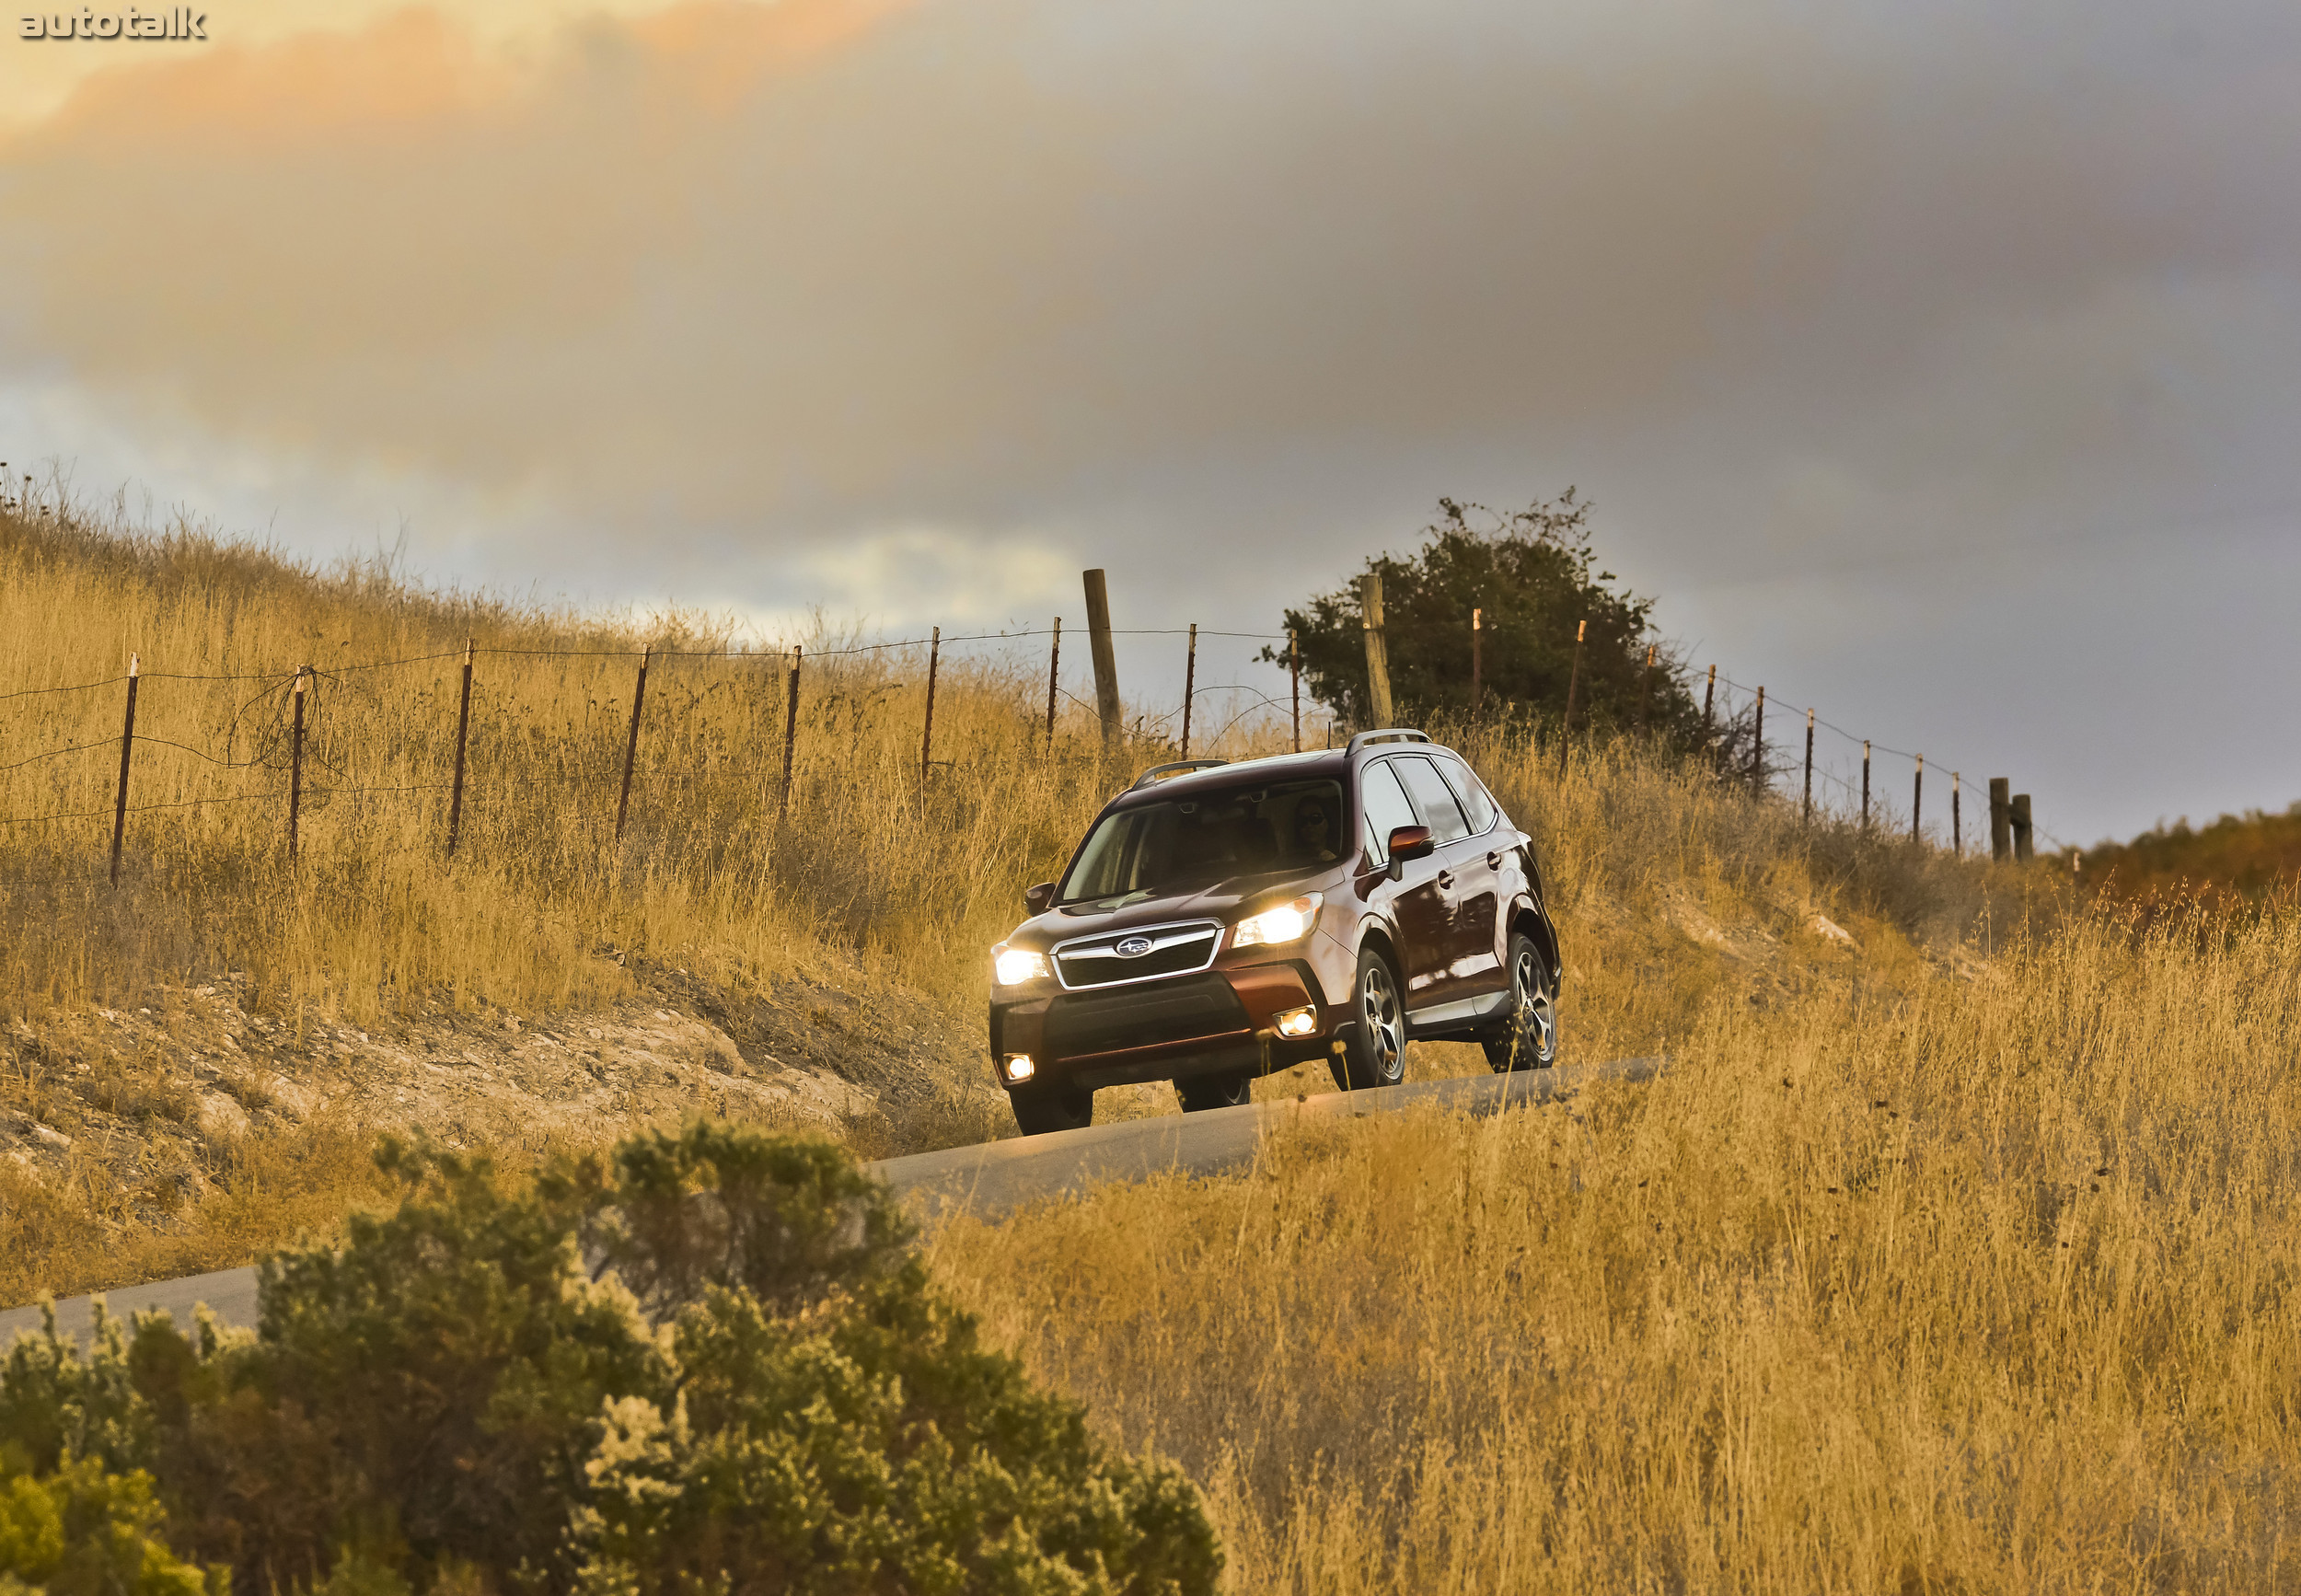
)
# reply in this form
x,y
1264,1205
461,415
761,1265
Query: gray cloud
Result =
x,y
1838,313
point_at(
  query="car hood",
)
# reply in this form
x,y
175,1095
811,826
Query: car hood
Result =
x,y
1222,900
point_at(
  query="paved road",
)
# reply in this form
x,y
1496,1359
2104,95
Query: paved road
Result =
x,y
996,1177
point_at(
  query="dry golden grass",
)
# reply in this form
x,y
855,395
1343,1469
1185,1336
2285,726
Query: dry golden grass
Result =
x,y
376,915
1638,1343
1991,1287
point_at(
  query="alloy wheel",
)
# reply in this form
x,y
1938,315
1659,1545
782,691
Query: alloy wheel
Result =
x,y
1537,1028
1385,1028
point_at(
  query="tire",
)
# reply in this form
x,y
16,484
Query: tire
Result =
x,y
1039,1111
1201,1092
1528,1037
1376,1053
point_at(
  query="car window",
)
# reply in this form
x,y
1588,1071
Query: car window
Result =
x,y
1476,806
1383,803
1433,800
1206,837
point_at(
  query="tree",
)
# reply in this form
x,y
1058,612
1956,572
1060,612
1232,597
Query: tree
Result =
x,y
1533,573
711,1361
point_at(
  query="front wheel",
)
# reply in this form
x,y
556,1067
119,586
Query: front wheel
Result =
x,y
1043,1109
1529,1038
1376,1053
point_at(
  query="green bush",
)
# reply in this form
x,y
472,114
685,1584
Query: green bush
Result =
x,y
82,1531
710,1361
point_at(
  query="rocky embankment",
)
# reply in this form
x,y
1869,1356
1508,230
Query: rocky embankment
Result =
x,y
150,1102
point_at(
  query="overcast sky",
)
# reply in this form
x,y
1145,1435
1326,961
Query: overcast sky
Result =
x,y
1937,365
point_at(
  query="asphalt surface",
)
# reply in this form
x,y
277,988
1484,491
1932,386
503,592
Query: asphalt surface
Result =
x,y
990,1180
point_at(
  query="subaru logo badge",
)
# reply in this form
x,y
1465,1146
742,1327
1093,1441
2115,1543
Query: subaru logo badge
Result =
x,y
1133,948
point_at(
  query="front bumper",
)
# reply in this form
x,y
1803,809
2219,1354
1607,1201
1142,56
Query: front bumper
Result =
x,y
1218,1021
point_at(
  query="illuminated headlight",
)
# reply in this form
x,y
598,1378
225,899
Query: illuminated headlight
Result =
x,y
1013,966
1275,927
1018,1066
1296,1022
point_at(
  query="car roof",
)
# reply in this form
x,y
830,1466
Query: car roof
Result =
x,y
1334,762
1315,762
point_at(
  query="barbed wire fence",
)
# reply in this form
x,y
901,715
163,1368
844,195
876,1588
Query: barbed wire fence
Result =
x,y
266,728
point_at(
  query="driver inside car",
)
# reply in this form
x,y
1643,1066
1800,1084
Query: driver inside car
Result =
x,y
1314,832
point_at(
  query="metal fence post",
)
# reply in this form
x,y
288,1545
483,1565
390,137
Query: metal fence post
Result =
x,y
791,735
463,731
1294,683
1190,684
1757,748
927,738
127,744
631,750
295,765
1054,676
1808,811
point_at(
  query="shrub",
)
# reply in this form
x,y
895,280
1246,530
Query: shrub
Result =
x,y
709,1360
81,1531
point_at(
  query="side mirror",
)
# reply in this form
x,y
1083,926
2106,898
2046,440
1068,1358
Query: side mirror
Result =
x,y
1408,842
1039,896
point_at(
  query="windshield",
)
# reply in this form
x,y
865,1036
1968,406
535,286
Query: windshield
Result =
x,y
1191,842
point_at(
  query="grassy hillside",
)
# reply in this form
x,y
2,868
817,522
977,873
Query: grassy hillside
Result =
x,y
2239,858
199,1054
1991,1285
1955,1251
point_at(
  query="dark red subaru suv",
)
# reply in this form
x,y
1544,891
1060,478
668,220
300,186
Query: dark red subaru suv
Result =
x,y
1224,921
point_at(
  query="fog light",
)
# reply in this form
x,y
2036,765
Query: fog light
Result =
x,y
1297,1022
1019,1067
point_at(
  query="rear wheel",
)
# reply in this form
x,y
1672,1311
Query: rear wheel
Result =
x,y
1376,1053
1226,1090
1041,1109
1528,1037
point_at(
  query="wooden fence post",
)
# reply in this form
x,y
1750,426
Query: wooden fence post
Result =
x,y
463,730
127,744
1917,799
1477,661
1864,786
295,764
2000,819
1294,684
1105,662
1808,810
1054,677
1957,837
1757,748
927,738
790,734
1709,697
631,750
1377,653
2017,815
1190,684
1573,685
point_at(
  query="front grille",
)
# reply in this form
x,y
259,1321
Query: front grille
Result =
x,y
1085,963
1142,1017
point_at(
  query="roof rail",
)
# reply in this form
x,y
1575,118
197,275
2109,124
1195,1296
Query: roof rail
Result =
x,y
1386,735
1176,769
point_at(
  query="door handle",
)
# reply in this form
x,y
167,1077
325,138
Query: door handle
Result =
x,y
1494,861
1445,879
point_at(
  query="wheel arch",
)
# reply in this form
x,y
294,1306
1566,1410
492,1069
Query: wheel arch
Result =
x,y
1536,925
1377,936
